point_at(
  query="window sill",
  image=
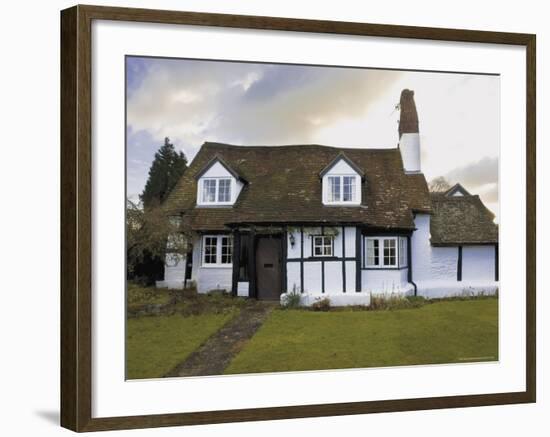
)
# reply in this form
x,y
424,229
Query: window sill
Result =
x,y
342,203
216,266
385,268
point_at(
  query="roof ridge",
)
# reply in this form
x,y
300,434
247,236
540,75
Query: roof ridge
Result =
x,y
213,144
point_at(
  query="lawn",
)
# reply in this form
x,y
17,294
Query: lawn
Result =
x,y
439,332
156,344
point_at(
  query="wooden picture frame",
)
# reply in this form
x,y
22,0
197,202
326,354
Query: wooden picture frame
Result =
x,y
76,217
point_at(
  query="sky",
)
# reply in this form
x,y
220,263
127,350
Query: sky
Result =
x,y
193,101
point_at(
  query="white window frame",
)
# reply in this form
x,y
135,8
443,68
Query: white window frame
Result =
x,y
218,264
381,264
323,246
200,194
327,190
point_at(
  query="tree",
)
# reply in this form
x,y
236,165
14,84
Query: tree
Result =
x,y
439,184
150,234
166,169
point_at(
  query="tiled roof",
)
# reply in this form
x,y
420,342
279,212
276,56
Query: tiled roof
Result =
x,y
461,220
283,186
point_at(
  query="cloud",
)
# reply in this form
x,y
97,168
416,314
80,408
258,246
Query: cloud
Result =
x,y
476,174
195,101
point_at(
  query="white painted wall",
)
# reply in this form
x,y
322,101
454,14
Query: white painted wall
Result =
x,y
217,170
444,263
312,277
409,145
293,277
435,268
478,263
333,277
243,289
209,278
381,281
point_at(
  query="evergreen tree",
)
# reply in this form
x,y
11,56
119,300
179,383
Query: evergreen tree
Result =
x,y
165,171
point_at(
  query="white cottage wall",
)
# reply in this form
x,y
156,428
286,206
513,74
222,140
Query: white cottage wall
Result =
x,y
478,263
209,278
435,268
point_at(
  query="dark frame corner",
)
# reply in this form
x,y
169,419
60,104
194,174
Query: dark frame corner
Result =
x,y
76,190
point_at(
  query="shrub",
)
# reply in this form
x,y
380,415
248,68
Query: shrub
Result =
x,y
395,301
292,300
321,305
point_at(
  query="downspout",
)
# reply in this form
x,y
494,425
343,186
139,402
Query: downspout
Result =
x,y
409,263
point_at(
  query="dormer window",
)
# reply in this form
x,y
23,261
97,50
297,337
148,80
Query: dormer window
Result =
x,y
218,184
342,189
341,181
216,190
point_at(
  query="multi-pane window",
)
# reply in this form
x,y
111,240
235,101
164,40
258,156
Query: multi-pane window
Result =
x,y
209,190
217,250
224,190
216,190
227,246
210,248
323,245
334,188
349,189
385,252
390,252
342,189
373,253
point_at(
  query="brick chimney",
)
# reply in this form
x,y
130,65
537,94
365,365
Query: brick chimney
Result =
x,y
409,138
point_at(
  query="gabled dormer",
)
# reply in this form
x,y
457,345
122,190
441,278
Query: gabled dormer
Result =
x,y
341,181
457,190
218,184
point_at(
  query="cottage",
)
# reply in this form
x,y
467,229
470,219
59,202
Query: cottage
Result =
x,y
342,223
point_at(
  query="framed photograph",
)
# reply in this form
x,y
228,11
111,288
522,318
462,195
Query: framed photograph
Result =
x,y
268,218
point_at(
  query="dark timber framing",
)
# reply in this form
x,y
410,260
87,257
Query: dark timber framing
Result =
x,y
301,259
459,265
76,212
284,254
344,259
322,261
496,262
358,236
236,261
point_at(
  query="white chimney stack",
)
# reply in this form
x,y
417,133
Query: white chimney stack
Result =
x,y
409,138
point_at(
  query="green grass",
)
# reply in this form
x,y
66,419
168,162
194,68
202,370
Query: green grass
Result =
x,y
138,296
155,345
440,332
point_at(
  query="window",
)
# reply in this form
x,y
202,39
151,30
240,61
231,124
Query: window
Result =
x,y
323,245
382,251
373,258
217,250
209,190
210,250
349,189
216,190
334,188
402,252
227,246
390,252
342,189
224,191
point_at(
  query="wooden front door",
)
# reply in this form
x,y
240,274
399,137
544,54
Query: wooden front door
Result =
x,y
268,267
